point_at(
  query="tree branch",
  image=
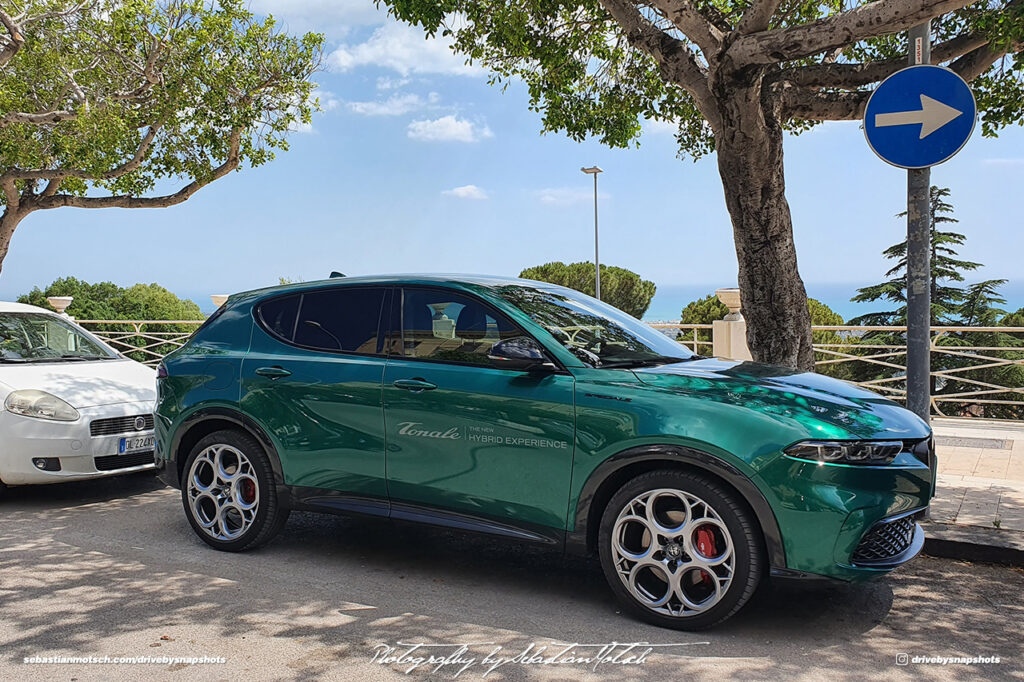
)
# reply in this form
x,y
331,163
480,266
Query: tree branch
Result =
x,y
675,60
809,105
978,61
692,23
846,75
758,16
14,42
120,201
60,174
866,21
36,119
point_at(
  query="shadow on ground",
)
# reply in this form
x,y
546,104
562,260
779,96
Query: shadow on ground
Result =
x,y
113,565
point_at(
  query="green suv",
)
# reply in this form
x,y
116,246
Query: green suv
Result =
x,y
534,412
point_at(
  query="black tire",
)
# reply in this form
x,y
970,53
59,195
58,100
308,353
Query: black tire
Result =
x,y
270,516
745,538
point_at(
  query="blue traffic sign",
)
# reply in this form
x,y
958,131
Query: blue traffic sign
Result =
x,y
919,116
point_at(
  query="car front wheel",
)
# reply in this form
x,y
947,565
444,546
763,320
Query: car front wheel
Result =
x,y
679,550
228,492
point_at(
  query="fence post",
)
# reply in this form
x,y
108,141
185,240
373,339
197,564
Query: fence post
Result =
x,y
729,335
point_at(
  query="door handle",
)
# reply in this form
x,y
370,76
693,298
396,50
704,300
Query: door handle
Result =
x,y
274,372
414,385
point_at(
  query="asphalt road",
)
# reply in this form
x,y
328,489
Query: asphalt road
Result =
x,y
111,568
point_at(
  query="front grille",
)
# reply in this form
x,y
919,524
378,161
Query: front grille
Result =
x,y
113,462
885,540
107,427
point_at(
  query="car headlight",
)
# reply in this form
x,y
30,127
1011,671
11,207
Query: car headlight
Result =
x,y
41,405
846,452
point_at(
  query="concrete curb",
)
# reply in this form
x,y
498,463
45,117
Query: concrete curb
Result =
x,y
970,543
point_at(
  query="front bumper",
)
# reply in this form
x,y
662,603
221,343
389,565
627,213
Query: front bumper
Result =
x,y
81,455
850,522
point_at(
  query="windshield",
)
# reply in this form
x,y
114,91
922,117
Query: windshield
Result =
x,y
38,337
597,333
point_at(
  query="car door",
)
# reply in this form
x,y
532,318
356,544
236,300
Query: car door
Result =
x,y
464,436
312,378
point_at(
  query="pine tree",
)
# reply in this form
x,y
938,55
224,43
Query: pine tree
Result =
x,y
946,269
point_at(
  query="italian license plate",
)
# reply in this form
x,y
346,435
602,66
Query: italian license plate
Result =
x,y
135,444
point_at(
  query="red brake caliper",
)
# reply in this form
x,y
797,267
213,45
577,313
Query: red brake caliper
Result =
x,y
249,491
706,546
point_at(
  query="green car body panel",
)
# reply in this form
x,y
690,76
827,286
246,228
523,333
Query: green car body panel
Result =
x,y
529,452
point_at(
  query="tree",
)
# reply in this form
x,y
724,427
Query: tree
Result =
x,y
946,268
702,311
108,301
708,309
735,74
106,103
621,288
974,305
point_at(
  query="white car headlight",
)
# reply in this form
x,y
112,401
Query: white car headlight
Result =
x,y
41,405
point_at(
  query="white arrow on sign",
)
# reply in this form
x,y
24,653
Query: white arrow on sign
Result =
x,y
932,115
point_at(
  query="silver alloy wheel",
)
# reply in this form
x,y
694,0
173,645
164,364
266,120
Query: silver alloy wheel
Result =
x,y
223,492
673,552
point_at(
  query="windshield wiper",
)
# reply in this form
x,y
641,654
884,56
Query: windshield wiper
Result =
x,y
70,356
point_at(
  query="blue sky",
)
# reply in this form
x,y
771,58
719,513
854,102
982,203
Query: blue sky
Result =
x,y
417,165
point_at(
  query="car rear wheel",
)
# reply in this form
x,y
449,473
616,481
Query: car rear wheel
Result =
x,y
679,550
228,492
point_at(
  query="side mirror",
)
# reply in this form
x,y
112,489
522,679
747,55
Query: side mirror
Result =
x,y
520,353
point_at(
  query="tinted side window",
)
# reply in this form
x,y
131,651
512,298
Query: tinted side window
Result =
x,y
342,319
278,315
443,325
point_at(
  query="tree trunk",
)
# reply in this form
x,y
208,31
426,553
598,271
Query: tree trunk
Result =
x,y
8,222
748,143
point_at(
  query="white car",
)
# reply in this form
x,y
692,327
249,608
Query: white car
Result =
x,y
72,408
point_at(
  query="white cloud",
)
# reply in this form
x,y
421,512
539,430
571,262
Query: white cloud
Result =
x,y
448,129
405,49
388,83
567,196
331,16
465,192
396,105
328,102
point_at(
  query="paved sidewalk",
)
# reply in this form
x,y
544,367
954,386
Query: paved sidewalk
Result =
x,y
981,474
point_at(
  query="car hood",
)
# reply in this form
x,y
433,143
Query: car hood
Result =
x,y
828,408
84,384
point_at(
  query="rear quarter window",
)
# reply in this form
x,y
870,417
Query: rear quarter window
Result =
x,y
278,315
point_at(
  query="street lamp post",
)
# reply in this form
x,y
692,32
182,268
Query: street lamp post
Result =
x,y
594,170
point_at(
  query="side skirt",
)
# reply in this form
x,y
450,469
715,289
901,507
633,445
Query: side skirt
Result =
x,y
335,502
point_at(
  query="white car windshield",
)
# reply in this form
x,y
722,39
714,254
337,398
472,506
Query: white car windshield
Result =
x,y
38,337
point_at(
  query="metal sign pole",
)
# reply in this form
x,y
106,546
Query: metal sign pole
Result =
x,y
919,261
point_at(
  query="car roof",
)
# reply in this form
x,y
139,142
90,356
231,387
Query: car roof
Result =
x,y
485,281
12,307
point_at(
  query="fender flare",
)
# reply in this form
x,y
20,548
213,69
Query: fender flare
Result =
x,y
578,539
248,424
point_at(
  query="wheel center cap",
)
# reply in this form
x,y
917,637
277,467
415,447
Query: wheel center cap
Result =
x,y
673,551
